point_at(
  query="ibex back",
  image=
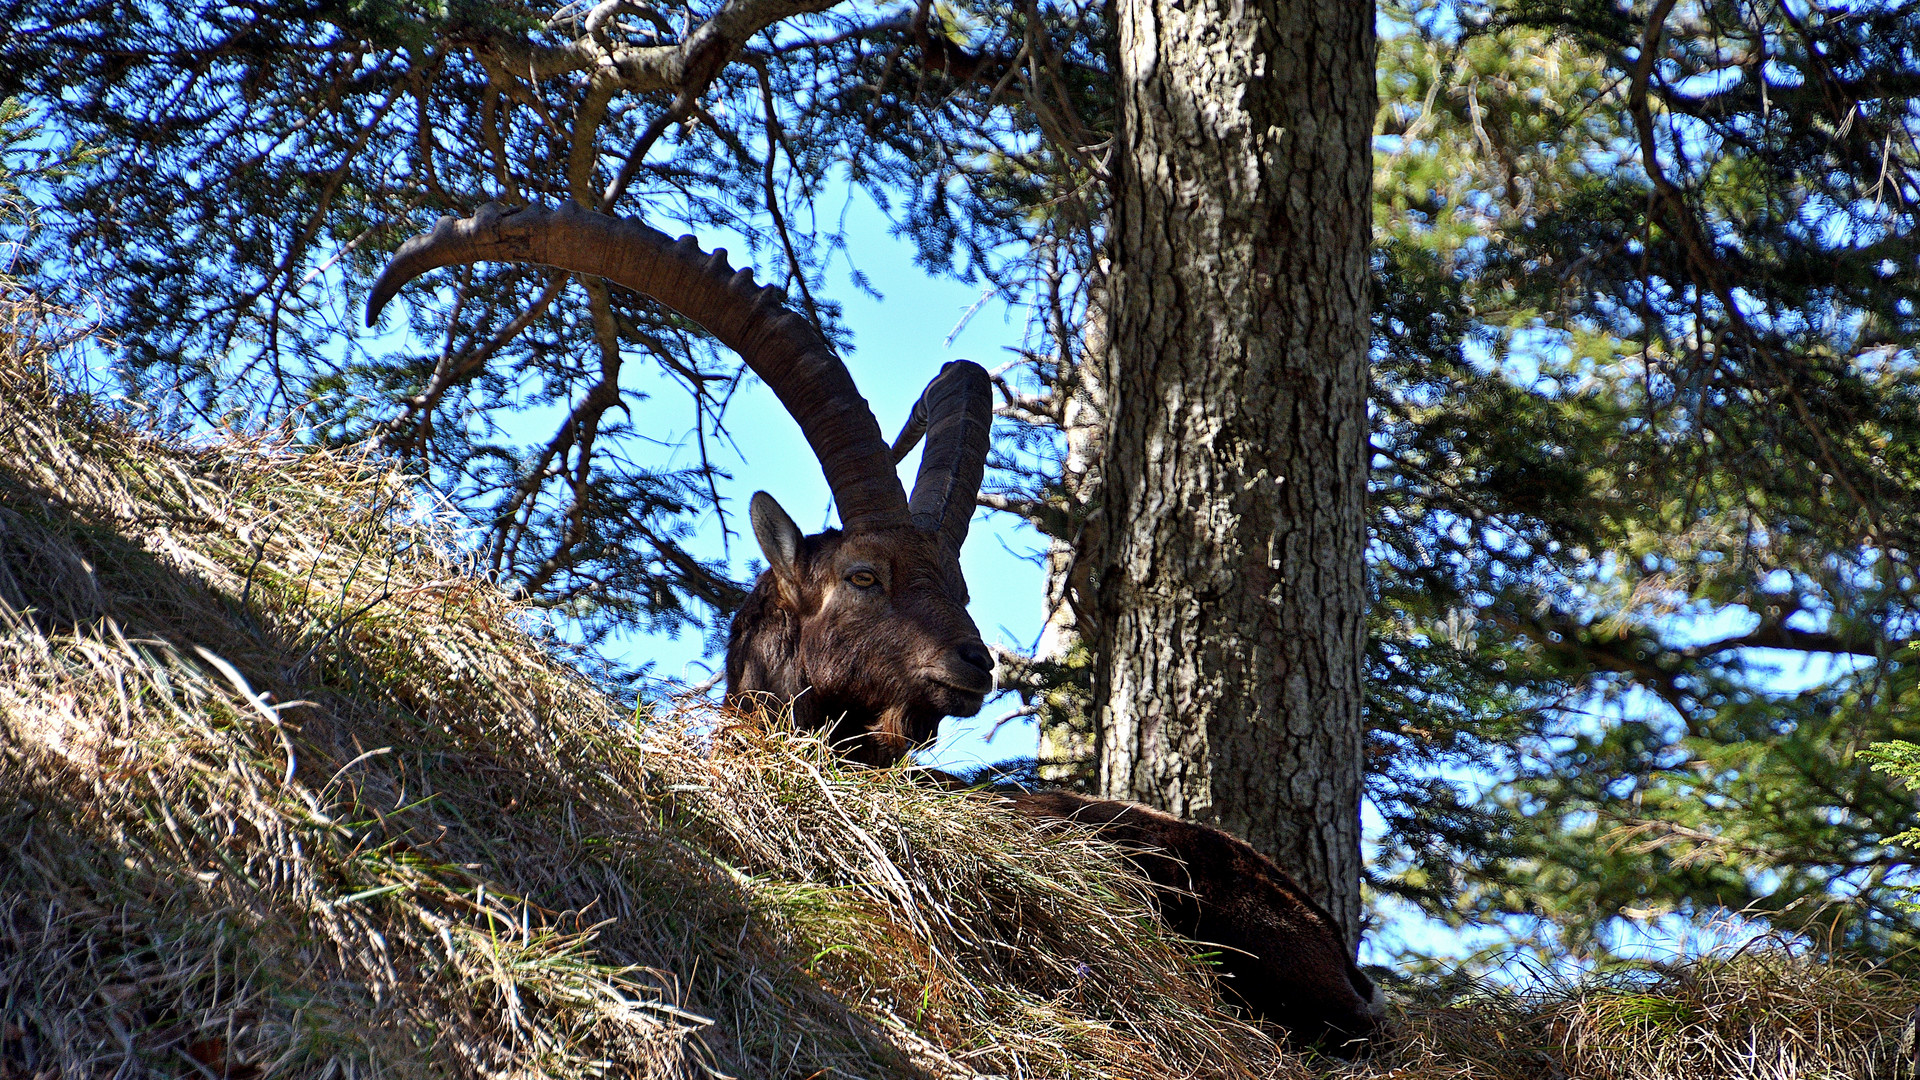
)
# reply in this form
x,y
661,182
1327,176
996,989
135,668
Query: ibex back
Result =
x,y
1281,955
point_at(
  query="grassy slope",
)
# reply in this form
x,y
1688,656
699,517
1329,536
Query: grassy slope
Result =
x,y
284,787
285,791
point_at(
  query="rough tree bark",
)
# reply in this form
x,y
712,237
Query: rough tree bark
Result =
x,y
1230,585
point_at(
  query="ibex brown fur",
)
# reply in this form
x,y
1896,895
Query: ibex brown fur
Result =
x,y
1282,957
863,632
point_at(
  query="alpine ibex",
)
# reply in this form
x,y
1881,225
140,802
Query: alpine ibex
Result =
x,y
863,630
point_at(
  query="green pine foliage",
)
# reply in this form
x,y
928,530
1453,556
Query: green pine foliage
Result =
x,y
267,158
1901,760
1646,498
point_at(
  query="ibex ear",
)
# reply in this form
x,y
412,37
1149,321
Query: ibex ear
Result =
x,y
779,537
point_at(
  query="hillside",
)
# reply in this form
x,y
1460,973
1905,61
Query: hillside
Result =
x,y
286,790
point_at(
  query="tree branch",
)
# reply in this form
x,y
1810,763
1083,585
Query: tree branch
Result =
x,y
1777,636
1048,517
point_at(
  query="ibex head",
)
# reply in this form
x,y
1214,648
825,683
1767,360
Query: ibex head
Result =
x,y
866,632
864,629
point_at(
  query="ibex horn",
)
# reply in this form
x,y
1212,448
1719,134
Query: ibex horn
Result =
x,y
955,413
779,345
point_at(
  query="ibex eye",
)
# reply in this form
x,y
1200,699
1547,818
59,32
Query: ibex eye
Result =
x,y
863,579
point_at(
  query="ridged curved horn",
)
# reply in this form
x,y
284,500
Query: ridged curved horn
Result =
x,y
955,413
781,347
909,436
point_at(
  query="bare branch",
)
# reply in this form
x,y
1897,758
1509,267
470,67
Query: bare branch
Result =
x,y
1777,636
451,371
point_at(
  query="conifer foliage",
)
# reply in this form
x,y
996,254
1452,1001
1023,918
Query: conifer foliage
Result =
x,y
1645,499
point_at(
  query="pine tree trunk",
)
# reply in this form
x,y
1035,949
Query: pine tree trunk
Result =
x,y
1230,585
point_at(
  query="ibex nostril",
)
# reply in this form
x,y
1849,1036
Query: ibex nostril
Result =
x,y
977,655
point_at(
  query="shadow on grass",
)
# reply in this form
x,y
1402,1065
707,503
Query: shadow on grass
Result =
x,y
308,811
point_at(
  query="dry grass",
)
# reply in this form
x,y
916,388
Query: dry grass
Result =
x,y
1760,1014
285,790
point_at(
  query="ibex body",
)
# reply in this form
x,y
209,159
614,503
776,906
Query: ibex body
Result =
x,y
863,631
1282,957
